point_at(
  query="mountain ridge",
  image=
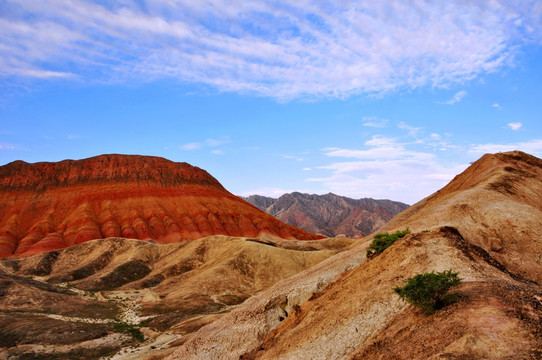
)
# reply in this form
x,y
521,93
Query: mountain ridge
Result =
x,y
43,176
329,214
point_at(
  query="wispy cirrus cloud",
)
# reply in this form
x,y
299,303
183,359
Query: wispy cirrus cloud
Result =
x,y
7,146
412,130
207,143
533,147
292,157
373,121
456,98
270,48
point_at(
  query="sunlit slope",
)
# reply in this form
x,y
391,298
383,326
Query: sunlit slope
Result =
x,y
486,225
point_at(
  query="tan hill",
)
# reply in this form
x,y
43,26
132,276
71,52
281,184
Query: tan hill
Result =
x,y
329,214
486,224
48,206
165,291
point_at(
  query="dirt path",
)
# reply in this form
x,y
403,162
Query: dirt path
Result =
x,y
129,303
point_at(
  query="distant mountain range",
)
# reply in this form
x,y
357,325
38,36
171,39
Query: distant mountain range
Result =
x,y
329,214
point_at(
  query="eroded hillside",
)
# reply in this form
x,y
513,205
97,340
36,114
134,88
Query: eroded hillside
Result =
x,y
134,299
486,225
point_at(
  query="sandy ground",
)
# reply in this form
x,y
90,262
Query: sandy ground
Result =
x,y
128,303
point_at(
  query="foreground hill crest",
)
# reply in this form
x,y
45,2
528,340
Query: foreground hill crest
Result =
x,y
46,206
486,224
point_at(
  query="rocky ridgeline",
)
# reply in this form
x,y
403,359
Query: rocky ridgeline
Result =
x,y
329,214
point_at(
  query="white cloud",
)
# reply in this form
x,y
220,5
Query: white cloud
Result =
x,y
386,169
307,169
217,152
412,131
456,98
301,49
514,125
407,180
7,146
439,142
373,121
533,147
43,74
379,147
292,157
207,143
191,146
497,106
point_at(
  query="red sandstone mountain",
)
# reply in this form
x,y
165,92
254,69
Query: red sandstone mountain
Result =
x,y
329,214
46,206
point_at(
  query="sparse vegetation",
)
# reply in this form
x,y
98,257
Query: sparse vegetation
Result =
x,y
384,240
429,291
129,329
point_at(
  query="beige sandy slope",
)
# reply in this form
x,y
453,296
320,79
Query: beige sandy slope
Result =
x,y
486,224
172,289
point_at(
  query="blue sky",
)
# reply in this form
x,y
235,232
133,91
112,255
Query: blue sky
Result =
x,y
383,99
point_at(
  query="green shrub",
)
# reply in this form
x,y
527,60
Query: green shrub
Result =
x,y
129,329
384,240
429,291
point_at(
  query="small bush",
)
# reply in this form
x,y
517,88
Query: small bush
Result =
x,y
129,329
429,291
384,240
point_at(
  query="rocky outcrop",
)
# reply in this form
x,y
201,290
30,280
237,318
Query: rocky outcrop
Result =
x,y
47,206
329,214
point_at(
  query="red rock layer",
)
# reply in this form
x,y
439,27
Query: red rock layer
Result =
x,y
47,206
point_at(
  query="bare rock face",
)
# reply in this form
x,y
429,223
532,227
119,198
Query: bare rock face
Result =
x,y
329,214
47,206
486,225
